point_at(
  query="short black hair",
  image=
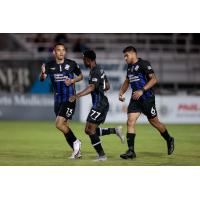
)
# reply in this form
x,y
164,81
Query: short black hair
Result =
x,y
58,44
130,48
90,54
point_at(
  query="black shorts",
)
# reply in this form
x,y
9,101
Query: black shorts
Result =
x,y
146,107
65,110
98,114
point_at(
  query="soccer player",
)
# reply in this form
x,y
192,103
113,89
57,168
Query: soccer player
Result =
x,y
141,78
98,84
64,73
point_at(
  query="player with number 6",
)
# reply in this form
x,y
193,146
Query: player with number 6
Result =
x,y
141,77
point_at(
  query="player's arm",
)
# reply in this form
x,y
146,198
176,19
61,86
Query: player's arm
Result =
x,y
86,91
93,83
123,89
152,81
148,71
74,80
78,73
107,85
78,78
43,74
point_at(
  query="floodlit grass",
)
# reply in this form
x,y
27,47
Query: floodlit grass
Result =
x,y
40,144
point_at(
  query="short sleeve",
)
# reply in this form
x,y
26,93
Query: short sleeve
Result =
x,y
147,68
128,68
106,79
95,78
77,69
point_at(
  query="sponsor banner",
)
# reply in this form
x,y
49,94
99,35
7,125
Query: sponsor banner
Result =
x,y
28,107
179,109
18,76
171,109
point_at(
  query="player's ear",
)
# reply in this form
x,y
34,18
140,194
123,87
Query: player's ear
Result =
x,y
88,60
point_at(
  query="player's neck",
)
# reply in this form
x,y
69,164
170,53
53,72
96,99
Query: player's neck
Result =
x,y
93,64
60,61
135,60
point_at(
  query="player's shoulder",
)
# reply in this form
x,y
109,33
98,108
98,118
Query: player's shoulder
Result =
x,y
70,62
49,62
144,62
97,69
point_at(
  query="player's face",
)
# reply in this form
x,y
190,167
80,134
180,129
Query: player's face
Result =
x,y
86,61
59,52
129,57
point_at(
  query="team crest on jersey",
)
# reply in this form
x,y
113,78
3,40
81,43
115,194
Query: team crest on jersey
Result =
x,y
67,67
149,67
137,67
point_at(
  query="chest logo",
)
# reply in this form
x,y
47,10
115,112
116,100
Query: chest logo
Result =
x,y
52,68
136,68
67,67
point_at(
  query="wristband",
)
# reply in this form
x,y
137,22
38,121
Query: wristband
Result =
x,y
143,90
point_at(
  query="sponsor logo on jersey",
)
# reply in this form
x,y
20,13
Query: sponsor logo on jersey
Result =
x,y
94,79
59,77
133,78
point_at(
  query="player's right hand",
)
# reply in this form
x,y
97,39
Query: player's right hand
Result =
x,y
121,98
43,70
43,75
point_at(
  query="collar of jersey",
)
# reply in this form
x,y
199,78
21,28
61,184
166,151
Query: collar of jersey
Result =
x,y
135,64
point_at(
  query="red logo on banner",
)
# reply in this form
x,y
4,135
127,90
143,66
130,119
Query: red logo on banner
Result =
x,y
188,107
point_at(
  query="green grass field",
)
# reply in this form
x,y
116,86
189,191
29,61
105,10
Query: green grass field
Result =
x,y
39,143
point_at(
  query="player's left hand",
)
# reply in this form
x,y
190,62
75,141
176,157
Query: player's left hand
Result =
x,y
137,94
69,81
72,98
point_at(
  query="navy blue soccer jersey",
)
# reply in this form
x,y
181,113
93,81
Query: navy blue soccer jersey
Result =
x,y
58,73
98,78
137,74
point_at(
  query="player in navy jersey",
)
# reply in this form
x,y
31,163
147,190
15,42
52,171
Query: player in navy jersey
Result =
x,y
98,84
63,73
141,78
